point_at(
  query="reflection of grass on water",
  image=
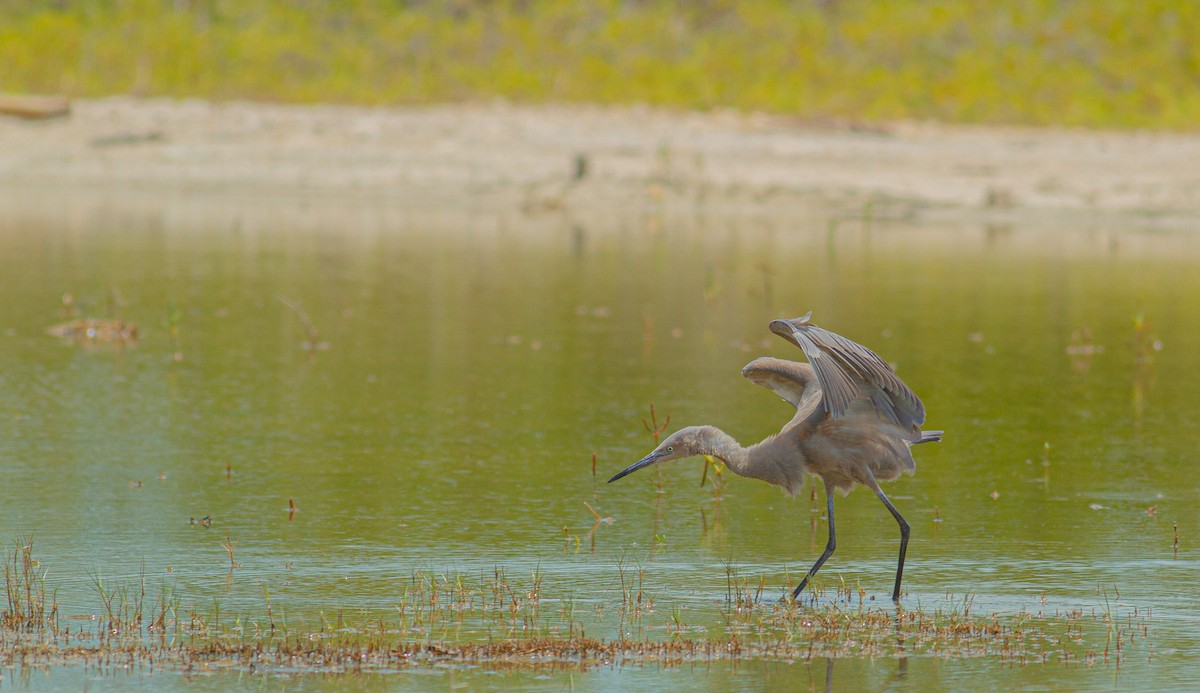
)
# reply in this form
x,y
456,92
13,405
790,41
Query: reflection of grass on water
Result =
x,y
501,622
1117,63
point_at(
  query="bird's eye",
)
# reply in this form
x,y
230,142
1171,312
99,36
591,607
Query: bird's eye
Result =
x,y
670,449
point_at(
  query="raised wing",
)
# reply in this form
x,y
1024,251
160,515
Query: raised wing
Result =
x,y
794,382
848,371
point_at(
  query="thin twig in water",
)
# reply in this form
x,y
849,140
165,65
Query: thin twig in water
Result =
x,y
656,430
653,426
312,340
228,544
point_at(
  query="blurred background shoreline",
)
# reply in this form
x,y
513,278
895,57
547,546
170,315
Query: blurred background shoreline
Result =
x,y
563,159
1029,112
1117,64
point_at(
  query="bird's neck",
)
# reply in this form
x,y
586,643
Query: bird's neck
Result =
x,y
764,460
724,447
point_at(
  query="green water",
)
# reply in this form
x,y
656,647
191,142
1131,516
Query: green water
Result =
x,y
476,360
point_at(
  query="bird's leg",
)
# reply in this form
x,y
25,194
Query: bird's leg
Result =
x,y
829,546
903,539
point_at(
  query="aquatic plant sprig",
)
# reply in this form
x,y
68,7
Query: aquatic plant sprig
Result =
x,y
28,605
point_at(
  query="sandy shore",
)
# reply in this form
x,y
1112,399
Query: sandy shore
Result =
x,y
527,157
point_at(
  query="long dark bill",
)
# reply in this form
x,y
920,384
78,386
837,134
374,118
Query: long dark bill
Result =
x,y
644,462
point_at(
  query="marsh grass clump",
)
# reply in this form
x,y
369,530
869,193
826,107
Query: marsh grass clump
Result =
x,y
834,626
504,621
436,604
28,606
129,612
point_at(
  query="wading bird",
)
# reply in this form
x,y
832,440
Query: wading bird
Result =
x,y
854,423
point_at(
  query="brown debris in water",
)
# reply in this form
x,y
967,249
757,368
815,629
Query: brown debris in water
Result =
x,y
89,331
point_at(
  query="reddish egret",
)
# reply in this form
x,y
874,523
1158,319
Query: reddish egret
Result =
x,y
854,423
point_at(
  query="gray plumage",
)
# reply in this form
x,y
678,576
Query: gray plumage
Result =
x,y
854,423
850,372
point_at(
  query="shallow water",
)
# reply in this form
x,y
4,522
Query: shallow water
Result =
x,y
473,362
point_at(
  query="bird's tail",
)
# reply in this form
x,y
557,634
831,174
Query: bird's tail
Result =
x,y
930,437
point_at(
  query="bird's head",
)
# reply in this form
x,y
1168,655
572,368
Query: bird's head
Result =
x,y
693,440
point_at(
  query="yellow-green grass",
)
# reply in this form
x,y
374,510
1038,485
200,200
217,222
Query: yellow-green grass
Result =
x,y
1118,63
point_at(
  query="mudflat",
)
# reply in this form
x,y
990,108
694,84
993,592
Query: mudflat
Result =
x,y
547,157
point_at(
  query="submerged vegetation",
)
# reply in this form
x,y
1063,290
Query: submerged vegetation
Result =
x,y
1123,63
501,621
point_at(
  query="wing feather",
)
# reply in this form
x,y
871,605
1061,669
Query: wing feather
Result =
x,y
795,382
848,371
790,380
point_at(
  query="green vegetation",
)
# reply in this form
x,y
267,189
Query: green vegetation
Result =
x,y
1124,63
503,621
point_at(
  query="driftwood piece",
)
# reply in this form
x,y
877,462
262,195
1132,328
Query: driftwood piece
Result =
x,y
33,107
